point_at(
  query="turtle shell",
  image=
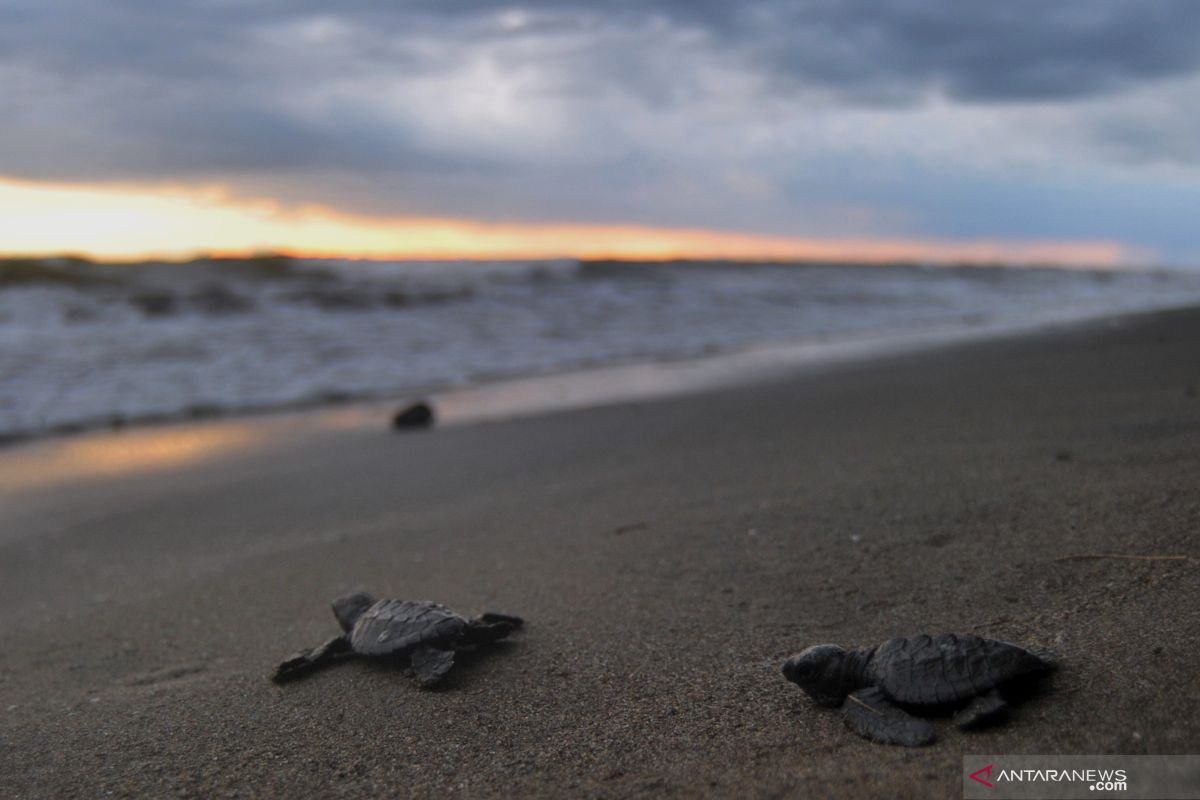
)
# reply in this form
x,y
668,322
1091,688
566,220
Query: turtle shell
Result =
x,y
931,670
393,625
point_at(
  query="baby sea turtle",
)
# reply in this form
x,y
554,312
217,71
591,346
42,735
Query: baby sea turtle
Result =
x,y
416,415
427,633
875,685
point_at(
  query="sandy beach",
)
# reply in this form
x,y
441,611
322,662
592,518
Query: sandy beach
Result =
x,y
667,555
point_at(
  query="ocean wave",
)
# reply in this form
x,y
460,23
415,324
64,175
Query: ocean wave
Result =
x,y
83,344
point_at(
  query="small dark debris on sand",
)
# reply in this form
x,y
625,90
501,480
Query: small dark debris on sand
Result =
x,y
415,416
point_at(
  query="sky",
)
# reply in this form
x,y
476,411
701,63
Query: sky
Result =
x,y
1024,131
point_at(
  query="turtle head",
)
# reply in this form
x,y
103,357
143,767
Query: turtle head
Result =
x,y
348,608
821,672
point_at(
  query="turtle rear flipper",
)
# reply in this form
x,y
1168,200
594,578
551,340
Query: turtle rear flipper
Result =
x,y
490,628
430,664
871,715
307,661
491,617
986,709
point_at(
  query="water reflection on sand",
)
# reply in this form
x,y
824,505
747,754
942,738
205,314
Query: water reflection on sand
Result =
x,y
110,454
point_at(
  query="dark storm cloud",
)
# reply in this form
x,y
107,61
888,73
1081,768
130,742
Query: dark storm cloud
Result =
x,y
273,90
1012,50
996,50
992,51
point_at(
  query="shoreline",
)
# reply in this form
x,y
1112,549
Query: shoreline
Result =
x,y
667,556
45,460
587,385
220,343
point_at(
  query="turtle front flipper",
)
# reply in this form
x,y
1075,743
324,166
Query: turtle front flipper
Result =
x,y
430,664
986,709
306,661
870,714
492,618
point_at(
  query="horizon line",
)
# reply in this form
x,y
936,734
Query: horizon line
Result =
x,y
176,222
250,255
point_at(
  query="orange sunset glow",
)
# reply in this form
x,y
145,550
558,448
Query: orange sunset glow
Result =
x,y
132,222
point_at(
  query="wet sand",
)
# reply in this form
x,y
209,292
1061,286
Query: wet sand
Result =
x,y
667,554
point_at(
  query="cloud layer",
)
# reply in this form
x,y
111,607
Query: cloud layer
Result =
x,y
807,117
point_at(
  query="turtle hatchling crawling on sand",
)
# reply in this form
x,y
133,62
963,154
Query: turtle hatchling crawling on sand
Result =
x,y
427,633
876,686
